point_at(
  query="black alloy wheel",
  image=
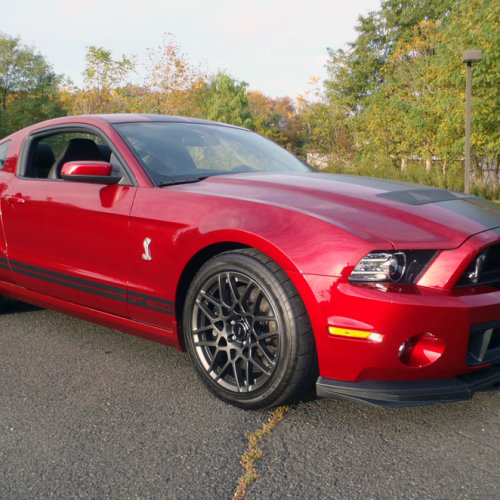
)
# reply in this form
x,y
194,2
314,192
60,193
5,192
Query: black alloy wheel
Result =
x,y
247,331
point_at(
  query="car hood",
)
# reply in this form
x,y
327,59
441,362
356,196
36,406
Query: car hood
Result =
x,y
406,215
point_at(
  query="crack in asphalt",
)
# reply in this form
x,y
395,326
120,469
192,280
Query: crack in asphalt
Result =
x,y
254,452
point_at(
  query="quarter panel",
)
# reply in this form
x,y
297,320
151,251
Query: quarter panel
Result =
x,y
180,224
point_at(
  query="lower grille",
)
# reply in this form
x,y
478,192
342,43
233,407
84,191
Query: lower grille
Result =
x,y
484,343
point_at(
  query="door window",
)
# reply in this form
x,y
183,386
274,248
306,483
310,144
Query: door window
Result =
x,y
47,154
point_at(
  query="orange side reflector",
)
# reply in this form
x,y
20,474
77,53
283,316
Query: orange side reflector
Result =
x,y
348,332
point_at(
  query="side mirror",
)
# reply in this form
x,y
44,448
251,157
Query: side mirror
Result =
x,y
95,172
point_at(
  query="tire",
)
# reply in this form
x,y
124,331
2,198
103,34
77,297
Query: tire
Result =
x,y
247,331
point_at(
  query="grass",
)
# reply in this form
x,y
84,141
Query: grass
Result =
x,y
254,452
452,179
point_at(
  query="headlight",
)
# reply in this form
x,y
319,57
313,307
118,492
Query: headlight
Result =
x,y
392,267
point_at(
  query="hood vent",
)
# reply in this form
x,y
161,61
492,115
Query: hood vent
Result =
x,y
422,196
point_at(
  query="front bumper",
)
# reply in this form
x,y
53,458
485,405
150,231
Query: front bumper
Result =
x,y
396,315
397,393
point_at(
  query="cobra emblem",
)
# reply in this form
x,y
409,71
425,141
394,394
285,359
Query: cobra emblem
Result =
x,y
147,254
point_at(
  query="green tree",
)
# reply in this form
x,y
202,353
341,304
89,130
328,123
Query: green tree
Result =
x,y
401,17
104,79
225,100
328,133
399,88
400,118
28,86
472,24
356,73
278,119
353,74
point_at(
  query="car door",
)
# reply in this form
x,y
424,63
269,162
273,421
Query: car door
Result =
x,y
66,239
5,273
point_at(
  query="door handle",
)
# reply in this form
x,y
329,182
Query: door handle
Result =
x,y
16,200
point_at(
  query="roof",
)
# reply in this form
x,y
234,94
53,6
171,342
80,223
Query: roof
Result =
x,y
138,117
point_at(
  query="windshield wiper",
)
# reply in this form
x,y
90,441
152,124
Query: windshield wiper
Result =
x,y
182,180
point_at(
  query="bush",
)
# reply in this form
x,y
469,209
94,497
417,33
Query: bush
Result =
x,y
452,179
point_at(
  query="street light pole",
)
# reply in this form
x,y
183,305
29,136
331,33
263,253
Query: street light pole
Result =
x,y
468,57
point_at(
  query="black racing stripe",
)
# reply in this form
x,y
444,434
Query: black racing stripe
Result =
x,y
18,266
4,263
101,293
92,287
486,213
151,302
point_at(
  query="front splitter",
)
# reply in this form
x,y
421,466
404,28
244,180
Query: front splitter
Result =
x,y
397,393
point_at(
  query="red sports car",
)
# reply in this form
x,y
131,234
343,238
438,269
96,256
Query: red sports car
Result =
x,y
272,276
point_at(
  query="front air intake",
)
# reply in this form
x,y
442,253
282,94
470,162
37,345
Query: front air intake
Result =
x,y
484,343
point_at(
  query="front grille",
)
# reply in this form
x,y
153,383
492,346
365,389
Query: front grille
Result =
x,y
484,269
484,343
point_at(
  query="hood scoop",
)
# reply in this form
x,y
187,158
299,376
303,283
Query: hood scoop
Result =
x,y
422,196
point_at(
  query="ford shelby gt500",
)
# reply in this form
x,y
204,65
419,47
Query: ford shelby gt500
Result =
x,y
272,276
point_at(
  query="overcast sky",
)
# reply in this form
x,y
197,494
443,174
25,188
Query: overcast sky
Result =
x,y
274,45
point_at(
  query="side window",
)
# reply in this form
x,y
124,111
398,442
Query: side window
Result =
x,y
4,149
48,153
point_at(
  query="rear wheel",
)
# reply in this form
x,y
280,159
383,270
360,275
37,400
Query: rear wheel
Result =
x,y
247,331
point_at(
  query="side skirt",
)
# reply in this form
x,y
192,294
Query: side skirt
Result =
x,y
144,330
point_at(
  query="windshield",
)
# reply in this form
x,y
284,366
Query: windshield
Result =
x,y
182,152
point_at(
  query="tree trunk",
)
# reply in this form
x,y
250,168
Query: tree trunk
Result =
x,y
428,164
496,168
403,164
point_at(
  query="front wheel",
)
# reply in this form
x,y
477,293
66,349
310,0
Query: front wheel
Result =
x,y
247,331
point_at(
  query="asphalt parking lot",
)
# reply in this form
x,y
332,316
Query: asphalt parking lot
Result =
x,y
89,412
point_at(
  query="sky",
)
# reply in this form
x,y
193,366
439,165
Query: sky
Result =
x,y
273,45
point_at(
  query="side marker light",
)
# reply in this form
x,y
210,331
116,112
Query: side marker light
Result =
x,y
354,334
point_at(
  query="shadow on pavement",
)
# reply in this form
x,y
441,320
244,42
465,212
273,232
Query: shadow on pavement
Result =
x,y
8,305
